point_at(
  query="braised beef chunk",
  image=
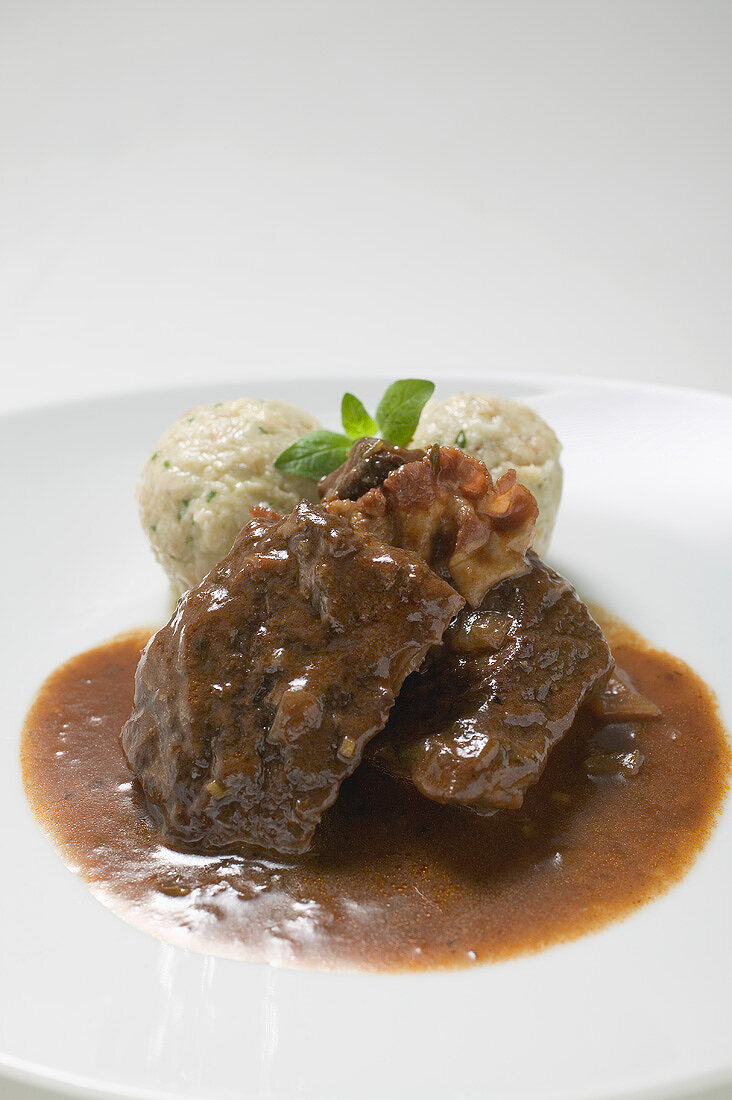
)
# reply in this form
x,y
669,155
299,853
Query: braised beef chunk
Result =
x,y
258,697
368,464
447,509
476,724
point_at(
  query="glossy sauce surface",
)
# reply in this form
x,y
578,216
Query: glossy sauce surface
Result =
x,y
394,881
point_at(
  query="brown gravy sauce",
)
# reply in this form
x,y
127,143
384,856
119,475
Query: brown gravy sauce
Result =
x,y
394,881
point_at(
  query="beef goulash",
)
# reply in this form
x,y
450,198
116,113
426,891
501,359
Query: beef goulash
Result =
x,y
256,700
393,880
343,687
475,726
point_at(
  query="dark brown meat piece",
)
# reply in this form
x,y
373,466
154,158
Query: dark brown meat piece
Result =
x,y
369,463
447,509
475,726
258,697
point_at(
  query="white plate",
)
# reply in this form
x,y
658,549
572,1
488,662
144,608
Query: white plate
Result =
x,y
642,1008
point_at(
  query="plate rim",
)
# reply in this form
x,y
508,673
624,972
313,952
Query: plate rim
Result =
x,y
60,1081
538,378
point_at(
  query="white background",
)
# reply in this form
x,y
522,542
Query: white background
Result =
x,y
212,188
208,190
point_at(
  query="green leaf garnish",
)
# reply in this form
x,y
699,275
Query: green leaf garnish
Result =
x,y
460,439
400,409
356,421
315,455
319,453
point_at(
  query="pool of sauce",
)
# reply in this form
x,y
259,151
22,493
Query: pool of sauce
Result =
x,y
394,881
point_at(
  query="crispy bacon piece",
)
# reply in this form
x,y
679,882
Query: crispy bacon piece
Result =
x,y
446,508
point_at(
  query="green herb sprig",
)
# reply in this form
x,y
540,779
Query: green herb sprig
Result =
x,y
320,452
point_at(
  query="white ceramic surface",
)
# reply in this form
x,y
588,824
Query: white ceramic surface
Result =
x,y
88,1004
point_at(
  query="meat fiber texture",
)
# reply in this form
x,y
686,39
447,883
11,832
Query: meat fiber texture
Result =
x,y
505,435
205,473
259,696
476,725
